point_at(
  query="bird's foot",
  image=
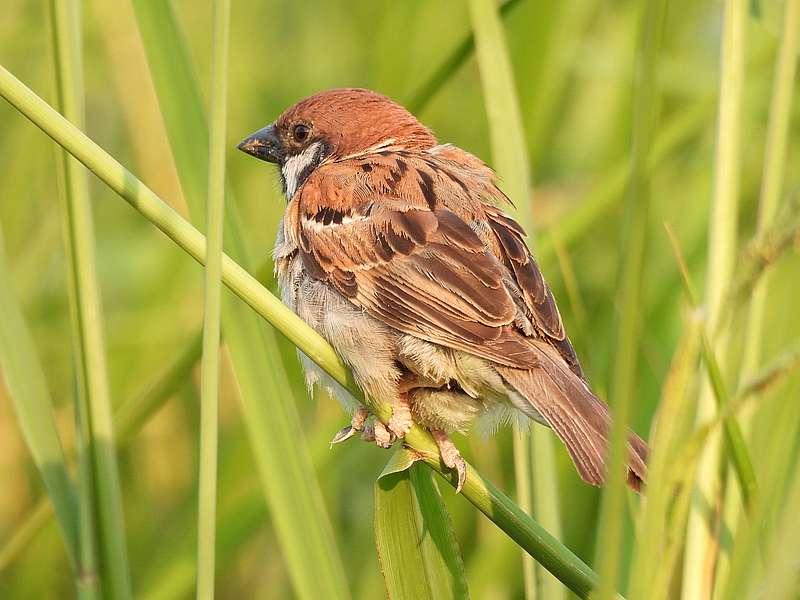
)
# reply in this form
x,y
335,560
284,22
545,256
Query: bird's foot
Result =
x,y
372,431
451,457
356,425
380,434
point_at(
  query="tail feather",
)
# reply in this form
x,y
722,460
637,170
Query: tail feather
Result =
x,y
578,417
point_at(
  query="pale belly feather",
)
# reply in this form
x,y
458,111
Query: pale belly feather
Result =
x,y
463,387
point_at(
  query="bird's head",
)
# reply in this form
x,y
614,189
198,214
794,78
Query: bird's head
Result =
x,y
333,125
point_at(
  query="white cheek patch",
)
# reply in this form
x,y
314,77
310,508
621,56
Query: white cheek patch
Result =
x,y
295,167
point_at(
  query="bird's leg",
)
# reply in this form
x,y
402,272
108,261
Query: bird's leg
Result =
x,y
401,421
378,433
356,425
451,457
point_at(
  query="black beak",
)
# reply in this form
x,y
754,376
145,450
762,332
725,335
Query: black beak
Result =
x,y
264,144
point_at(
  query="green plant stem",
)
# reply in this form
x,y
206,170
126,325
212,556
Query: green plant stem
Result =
x,y
510,158
212,285
100,495
132,415
734,438
452,63
769,200
267,398
553,555
629,301
772,180
701,546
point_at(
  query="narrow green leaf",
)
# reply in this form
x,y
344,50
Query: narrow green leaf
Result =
x,y
416,546
510,157
270,415
402,460
773,173
101,514
630,284
672,425
733,434
30,397
526,532
128,420
509,154
449,67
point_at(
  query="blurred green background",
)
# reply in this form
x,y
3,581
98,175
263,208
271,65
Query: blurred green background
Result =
x,y
573,62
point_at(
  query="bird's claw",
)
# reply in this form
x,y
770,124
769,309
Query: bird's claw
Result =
x,y
461,469
344,434
356,425
451,457
375,431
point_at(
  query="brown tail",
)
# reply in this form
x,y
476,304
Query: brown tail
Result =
x,y
579,418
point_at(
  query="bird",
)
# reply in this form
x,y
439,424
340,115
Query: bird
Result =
x,y
398,251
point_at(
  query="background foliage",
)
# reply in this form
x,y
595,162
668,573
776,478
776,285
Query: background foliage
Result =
x,y
574,64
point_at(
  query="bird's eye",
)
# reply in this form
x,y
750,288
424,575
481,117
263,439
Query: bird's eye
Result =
x,y
300,132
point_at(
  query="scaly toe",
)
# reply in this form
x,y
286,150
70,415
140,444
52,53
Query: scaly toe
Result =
x,y
383,437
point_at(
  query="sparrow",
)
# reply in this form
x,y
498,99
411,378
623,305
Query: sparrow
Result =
x,y
396,249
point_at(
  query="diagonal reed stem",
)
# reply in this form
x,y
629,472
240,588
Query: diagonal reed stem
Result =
x,y
526,532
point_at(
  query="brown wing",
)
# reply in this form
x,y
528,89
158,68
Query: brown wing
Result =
x,y
392,233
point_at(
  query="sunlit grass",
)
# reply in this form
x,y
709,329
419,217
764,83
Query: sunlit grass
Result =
x,y
293,517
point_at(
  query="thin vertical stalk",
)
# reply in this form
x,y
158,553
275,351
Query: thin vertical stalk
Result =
x,y
209,384
510,158
772,179
645,115
769,199
269,411
100,497
701,546
449,67
524,496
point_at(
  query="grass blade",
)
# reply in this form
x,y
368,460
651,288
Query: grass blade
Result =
x,y
449,67
671,426
100,487
417,550
700,554
769,200
734,438
209,385
510,159
526,532
509,154
27,388
273,425
773,174
632,262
